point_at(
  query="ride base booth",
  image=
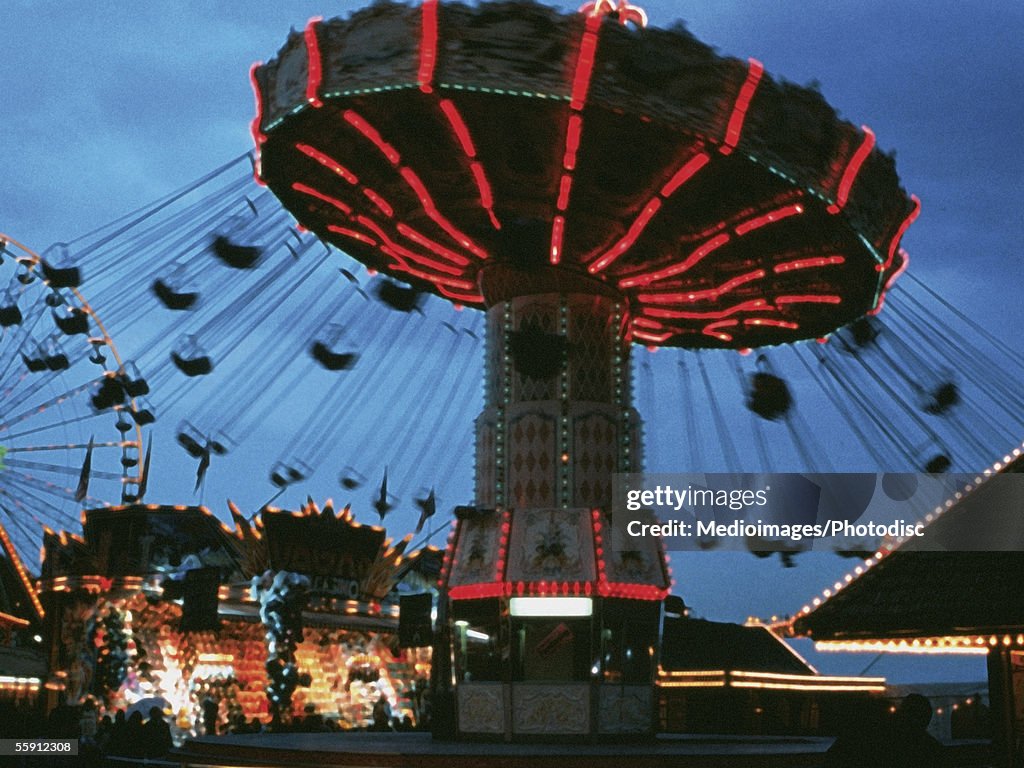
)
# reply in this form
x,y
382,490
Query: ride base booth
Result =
x,y
552,634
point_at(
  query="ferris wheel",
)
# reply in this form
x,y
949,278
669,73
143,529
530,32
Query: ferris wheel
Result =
x,y
71,409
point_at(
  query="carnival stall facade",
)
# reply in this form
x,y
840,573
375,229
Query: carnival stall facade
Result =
x,y
231,629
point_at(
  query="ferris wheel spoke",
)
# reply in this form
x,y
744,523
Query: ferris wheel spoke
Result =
x,y
10,436
56,468
25,513
26,484
26,539
35,410
68,446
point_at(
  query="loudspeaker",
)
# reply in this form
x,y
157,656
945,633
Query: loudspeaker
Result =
x,y
415,627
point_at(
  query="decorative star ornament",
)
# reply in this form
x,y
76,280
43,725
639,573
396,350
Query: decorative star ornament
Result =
x,y
624,11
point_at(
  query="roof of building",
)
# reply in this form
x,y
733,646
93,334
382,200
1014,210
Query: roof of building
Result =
x,y
965,576
696,644
925,594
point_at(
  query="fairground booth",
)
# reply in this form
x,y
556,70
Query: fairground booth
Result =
x,y
931,596
22,658
744,679
552,634
294,615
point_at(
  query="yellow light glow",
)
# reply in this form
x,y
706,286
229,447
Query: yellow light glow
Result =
x,y
944,645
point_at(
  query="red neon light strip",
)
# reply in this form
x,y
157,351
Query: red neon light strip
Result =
x,y
300,187
685,173
356,121
484,188
572,142
437,280
258,137
486,198
428,46
691,261
557,231
468,298
822,261
506,527
708,293
888,283
313,65
809,298
382,205
894,243
603,588
405,253
420,239
769,218
582,72
459,127
656,338
564,187
674,314
852,169
635,229
430,209
477,591
352,233
466,141
328,162
584,64
739,110
646,322
633,591
769,321
711,329
680,177
414,181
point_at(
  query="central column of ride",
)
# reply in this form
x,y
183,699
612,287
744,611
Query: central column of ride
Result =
x,y
554,634
558,419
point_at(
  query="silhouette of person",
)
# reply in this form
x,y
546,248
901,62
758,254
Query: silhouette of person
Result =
x,y
134,740
210,715
118,744
157,734
382,714
913,746
860,738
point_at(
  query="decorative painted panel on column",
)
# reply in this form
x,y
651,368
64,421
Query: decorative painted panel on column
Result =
x,y
594,452
531,455
481,708
532,316
592,340
476,552
552,709
625,709
551,545
486,472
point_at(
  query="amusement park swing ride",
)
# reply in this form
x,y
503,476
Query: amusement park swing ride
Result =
x,y
583,186
483,157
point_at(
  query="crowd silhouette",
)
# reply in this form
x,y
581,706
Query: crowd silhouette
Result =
x,y
867,737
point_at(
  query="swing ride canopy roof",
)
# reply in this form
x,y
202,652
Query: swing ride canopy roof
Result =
x,y
581,152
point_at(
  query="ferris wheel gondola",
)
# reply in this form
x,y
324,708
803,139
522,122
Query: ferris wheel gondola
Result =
x,y
70,414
